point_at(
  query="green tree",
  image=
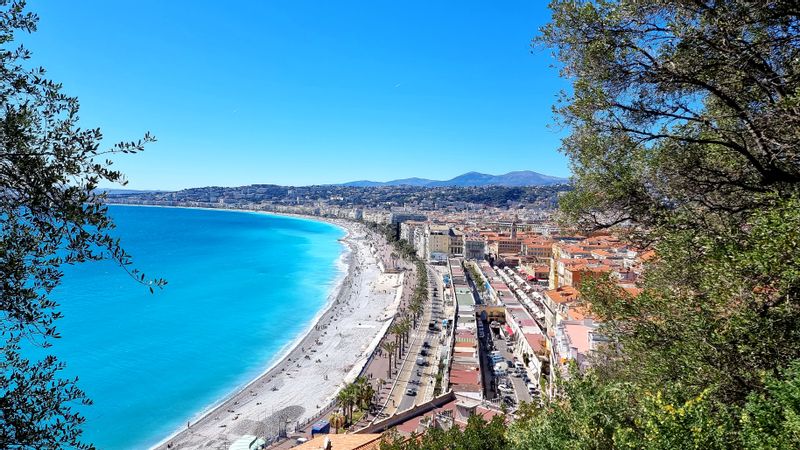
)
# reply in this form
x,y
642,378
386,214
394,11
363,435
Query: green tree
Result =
x,y
478,434
680,112
347,398
51,214
364,393
337,420
390,348
683,124
771,418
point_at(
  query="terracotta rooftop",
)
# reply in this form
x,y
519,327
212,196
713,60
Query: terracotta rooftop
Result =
x,y
344,442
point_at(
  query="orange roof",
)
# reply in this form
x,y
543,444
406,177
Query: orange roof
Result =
x,y
537,342
465,377
647,255
599,268
465,344
578,312
632,290
563,294
344,442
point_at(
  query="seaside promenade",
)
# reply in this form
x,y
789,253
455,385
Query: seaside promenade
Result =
x,y
333,352
392,384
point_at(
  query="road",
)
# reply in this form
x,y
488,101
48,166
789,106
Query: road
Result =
x,y
520,393
421,379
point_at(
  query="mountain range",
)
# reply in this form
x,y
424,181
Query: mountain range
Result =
x,y
518,178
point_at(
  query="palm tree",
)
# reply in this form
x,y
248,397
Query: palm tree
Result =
x,y
395,330
364,393
399,337
405,328
390,348
347,399
367,394
416,310
337,420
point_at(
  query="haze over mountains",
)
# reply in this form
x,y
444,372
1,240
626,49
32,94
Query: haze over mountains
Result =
x,y
518,178
470,179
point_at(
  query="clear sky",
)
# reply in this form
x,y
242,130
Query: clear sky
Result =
x,y
303,92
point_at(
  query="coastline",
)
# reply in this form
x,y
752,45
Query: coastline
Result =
x,y
280,383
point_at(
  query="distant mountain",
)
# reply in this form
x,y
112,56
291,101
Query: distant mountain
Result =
x,y
518,178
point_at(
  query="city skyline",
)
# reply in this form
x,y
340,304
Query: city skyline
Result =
x,y
286,94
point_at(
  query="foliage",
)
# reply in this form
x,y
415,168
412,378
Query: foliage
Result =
x,y
681,113
51,214
771,418
684,125
358,394
337,420
477,278
478,434
593,413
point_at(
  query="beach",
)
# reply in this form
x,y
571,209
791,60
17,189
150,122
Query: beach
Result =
x,y
307,376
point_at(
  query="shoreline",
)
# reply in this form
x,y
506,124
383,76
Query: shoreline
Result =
x,y
353,264
285,350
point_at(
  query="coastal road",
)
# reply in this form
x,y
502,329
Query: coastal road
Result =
x,y
413,376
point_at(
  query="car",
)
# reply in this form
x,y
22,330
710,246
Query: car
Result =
x,y
411,392
421,362
419,373
426,344
423,352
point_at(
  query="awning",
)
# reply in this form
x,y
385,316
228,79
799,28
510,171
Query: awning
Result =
x,y
509,331
531,278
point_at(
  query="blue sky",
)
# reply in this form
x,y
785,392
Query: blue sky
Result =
x,y
298,92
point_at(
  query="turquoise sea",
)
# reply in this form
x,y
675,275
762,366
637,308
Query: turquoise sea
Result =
x,y
242,286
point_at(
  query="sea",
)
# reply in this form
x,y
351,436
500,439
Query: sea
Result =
x,y
242,287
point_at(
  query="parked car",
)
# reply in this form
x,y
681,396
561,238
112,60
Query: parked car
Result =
x,y
411,392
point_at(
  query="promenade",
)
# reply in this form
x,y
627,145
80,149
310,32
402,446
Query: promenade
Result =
x,y
392,383
306,379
